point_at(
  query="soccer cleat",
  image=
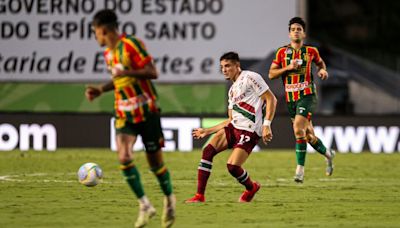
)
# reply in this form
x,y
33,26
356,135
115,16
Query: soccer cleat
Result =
x,y
329,163
248,195
145,214
198,198
299,177
168,216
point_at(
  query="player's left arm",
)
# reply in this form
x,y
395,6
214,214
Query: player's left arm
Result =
x,y
322,72
199,133
149,71
269,98
92,91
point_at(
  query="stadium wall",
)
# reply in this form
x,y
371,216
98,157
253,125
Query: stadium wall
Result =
x,y
40,132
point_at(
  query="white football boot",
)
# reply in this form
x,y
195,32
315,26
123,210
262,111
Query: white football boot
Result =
x,y
299,176
329,162
168,215
146,212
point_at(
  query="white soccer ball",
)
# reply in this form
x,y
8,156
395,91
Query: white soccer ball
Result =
x,y
90,174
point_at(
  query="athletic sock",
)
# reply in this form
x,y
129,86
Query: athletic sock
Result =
x,y
204,169
164,179
133,178
241,175
144,202
301,149
318,146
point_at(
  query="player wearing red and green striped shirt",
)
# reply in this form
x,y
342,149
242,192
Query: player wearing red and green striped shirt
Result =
x,y
136,111
293,63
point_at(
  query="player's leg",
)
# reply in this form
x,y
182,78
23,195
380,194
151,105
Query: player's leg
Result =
x,y
318,145
153,141
155,160
125,144
217,144
234,165
299,128
304,109
126,138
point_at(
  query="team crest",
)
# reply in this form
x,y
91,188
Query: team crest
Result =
x,y
288,51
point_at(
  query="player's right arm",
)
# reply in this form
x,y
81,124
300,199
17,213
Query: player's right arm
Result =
x,y
199,133
92,92
275,71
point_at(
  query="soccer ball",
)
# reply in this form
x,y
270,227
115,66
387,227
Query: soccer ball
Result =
x,y
90,174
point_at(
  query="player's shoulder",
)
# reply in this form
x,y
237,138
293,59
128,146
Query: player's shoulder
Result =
x,y
251,76
282,48
310,47
249,73
131,39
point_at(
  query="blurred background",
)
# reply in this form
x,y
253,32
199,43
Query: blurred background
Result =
x,y
48,55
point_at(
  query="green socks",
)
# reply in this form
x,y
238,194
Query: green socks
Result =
x,y
164,179
301,151
132,176
319,146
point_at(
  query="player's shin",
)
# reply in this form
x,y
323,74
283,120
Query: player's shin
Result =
x,y
204,168
301,149
318,146
164,179
132,177
241,175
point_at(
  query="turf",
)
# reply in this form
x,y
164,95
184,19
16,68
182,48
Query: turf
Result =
x,y
40,189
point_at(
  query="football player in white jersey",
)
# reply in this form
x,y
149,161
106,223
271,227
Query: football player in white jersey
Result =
x,y
250,112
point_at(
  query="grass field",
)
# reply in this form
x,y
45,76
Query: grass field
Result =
x,y
40,189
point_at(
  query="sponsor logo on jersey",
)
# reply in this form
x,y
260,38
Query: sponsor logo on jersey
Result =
x,y
296,87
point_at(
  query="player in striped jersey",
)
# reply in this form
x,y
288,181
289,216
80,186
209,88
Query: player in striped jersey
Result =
x,y
136,111
293,64
250,112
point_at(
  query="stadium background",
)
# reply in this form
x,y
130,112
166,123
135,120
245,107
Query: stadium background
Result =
x,y
42,106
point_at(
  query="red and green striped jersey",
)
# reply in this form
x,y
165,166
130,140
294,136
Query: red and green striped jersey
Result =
x,y
134,98
297,83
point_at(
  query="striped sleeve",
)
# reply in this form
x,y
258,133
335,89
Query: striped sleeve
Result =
x,y
137,53
317,57
278,56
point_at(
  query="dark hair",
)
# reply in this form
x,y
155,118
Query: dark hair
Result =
x,y
297,20
230,56
106,18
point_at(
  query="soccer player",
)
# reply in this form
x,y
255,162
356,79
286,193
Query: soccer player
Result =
x,y
249,98
136,111
293,63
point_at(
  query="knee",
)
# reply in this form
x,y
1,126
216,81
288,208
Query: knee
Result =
x,y
299,133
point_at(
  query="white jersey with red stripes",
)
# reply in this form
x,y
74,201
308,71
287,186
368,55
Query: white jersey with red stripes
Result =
x,y
245,102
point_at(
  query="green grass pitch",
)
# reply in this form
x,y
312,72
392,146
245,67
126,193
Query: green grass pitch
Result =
x,y
40,189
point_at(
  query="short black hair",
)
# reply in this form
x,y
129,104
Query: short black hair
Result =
x,y
106,17
230,56
297,20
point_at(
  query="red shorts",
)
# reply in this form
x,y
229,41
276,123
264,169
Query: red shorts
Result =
x,y
240,138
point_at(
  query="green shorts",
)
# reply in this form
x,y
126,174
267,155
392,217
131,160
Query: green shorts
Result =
x,y
304,106
150,130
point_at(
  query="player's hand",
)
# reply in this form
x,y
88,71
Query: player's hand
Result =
x,y
294,65
92,92
323,74
267,134
199,133
117,70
